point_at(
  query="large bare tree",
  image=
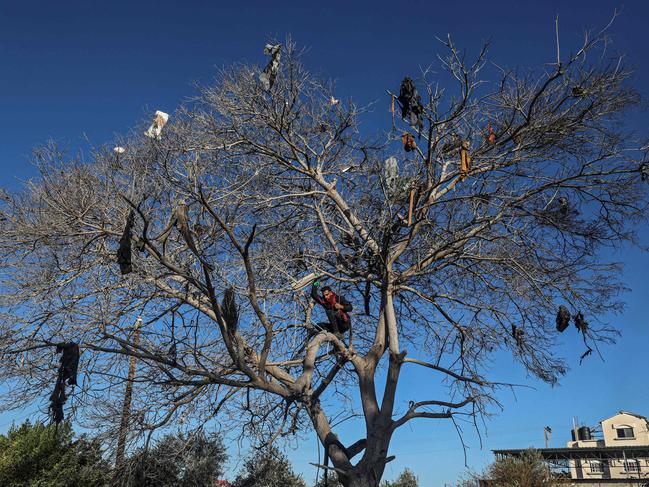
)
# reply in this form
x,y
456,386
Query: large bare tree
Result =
x,y
250,189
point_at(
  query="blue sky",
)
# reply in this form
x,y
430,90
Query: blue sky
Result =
x,y
73,69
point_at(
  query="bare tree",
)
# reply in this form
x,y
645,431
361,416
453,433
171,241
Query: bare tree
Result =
x,y
276,184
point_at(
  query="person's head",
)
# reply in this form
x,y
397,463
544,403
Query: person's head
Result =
x,y
326,292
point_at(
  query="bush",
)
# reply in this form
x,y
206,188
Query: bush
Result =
x,y
46,456
268,468
179,460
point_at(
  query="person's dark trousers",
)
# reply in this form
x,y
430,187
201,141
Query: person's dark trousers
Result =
x,y
326,326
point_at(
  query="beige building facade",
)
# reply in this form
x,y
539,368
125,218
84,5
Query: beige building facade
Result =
x,y
621,431
617,453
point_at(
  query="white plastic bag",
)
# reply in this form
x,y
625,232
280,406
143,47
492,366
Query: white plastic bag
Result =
x,y
159,121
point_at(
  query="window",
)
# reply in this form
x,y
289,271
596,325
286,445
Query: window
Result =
x,y
631,466
625,432
596,466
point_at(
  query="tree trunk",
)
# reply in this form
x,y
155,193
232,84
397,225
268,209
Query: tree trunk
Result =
x,y
360,478
367,473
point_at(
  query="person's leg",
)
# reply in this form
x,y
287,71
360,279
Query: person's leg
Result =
x,y
311,331
325,326
314,329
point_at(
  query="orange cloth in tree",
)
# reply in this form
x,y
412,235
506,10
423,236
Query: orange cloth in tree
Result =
x,y
408,142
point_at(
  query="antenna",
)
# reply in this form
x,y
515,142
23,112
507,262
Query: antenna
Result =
x,y
547,432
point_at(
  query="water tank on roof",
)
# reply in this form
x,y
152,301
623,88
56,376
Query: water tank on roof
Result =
x,y
583,433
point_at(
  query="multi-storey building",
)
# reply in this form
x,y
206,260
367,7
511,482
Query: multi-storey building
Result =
x,y
617,453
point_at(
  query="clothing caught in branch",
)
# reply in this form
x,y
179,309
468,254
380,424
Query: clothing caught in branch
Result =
x,y
67,372
391,175
408,142
180,220
230,312
580,323
124,252
159,121
465,159
644,171
563,319
268,75
491,136
412,109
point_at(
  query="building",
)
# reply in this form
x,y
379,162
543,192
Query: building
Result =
x,y
615,453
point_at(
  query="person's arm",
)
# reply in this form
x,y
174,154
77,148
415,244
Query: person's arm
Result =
x,y
347,306
315,296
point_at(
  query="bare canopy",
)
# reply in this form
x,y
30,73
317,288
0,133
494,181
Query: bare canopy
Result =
x,y
513,182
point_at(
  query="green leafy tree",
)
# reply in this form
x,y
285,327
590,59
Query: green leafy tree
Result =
x,y
268,468
332,481
528,470
406,479
180,460
36,455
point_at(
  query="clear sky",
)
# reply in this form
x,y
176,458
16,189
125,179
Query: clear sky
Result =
x,y
78,69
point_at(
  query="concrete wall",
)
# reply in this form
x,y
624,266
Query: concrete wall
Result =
x,y
622,420
604,483
615,469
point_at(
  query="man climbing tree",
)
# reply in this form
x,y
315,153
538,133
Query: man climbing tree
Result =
x,y
479,269
336,308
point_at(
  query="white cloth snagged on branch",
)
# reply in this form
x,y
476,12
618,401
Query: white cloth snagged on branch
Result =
x,y
268,75
159,121
305,281
391,175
